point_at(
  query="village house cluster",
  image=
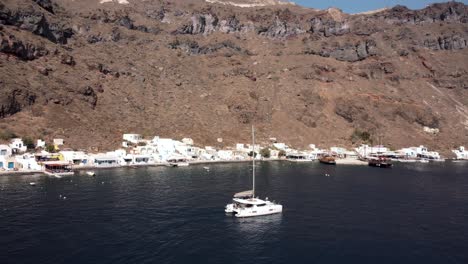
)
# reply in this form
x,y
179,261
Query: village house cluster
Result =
x,y
136,150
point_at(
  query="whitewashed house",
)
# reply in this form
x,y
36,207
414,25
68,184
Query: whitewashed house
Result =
x,y
132,138
225,155
461,153
418,152
17,146
28,162
365,150
109,159
58,142
102,161
78,158
281,146
240,147
343,152
185,150
5,154
40,143
166,148
187,141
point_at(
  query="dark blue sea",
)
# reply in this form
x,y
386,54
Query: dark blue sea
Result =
x,y
412,213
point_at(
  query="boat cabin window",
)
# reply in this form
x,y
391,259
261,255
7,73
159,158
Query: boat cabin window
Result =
x,y
259,205
248,205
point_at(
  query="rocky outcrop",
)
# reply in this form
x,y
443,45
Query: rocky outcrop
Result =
x,y
88,95
280,29
46,4
328,27
452,11
13,101
193,48
454,42
24,51
347,52
68,60
126,22
200,24
36,23
230,25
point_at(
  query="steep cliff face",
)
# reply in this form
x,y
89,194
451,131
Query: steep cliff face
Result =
x,y
90,71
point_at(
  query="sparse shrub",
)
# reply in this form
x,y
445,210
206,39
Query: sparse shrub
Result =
x,y
50,148
7,135
251,154
360,135
29,143
265,152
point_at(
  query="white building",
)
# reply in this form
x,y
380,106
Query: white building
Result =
x,y
343,152
281,146
461,153
104,160
40,143
79,158
58,142
225,154
17,146
132,138
5,154
365,150
240,147
418,152
28,162
187,141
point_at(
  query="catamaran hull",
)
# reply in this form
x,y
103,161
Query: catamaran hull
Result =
x,y
275,209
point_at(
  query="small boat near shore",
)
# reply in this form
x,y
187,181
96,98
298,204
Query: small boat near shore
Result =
x,y
380,162
32,183
177,162
91,173
328,160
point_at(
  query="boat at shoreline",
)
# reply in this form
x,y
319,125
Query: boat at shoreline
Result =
x,y
297,157
328,160
245,204
58,169
380,162
178,162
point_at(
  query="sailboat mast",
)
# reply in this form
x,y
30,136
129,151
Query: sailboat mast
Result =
x,y
253,162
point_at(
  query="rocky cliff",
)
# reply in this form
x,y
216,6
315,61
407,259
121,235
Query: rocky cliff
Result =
x,y
89,71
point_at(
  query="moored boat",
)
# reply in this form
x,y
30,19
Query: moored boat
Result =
x,y
329,160
58,169
178,162
380,162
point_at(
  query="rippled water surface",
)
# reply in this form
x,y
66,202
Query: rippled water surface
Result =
x,y
412,213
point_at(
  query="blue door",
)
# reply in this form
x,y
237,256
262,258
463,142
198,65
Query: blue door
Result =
x,y
11,165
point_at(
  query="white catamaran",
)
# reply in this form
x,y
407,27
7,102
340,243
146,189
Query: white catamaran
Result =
x,y
245,204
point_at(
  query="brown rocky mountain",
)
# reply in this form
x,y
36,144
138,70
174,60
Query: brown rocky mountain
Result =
x,y
88,71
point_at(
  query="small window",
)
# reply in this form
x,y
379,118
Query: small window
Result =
x,y
261,205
